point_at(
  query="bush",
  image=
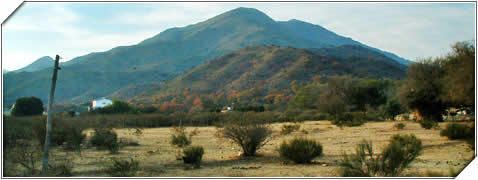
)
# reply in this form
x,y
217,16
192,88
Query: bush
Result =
x,y
350,119
289,128
246,131
123,168
395,157
105,138
321,116
428,124
74,139
193,155
300,150
399,126
118,106
28,156
18,129
179,137
27,106
63,131
401,151
62,168
392,108
457,131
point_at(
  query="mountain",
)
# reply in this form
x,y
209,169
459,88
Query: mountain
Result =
x,y
39,64
271,69
319,34
5,71
167,55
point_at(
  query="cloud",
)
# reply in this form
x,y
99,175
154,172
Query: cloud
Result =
x,y
164,16
44,18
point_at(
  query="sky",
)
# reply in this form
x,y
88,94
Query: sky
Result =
x,y
410,30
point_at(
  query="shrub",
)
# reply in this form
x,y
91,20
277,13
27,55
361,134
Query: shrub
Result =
x,y
429,173
399,126
249,133
105,138
118,106
393,108
457,131
28,156
428,124
61,168
179,137
401,151
350,119
300,150
18,129
57,134
289,128
74,139
193,155
321,116
395,157
123,168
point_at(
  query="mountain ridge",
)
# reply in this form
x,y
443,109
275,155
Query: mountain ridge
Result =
x,y
37,65
167,55
270,69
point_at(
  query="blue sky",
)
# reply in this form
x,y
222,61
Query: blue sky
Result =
x,y
410,30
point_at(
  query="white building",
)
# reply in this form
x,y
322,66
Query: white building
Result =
x,y
100,103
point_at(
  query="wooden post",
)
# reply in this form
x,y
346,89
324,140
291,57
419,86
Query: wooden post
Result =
x,y
49,117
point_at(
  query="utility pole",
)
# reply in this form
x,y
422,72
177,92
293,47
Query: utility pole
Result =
x,y
49,117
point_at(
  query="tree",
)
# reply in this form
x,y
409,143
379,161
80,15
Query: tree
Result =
x,y
118,106
365,93
333,100
423,89
27,106
459,79
392,109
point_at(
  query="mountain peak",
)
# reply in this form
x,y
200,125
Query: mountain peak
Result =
x,y
246,10
39,64
250,14
44,58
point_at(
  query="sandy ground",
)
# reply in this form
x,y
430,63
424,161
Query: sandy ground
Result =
x,y
158,158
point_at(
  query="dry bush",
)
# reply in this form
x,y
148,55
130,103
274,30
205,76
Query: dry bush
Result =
x,y
181,138
394,158
106,138
289,128
193,155
246,131
399,126
300,150
457,131
123,168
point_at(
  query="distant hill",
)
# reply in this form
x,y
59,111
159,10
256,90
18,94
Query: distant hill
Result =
x,y
4,71
270,69
169,54
39,64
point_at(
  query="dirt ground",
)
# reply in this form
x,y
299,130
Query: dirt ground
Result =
x,y
158,158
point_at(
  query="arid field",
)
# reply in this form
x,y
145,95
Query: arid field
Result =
x,y
157,156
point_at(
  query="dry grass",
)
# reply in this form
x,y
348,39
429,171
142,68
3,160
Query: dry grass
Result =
x,y
158,158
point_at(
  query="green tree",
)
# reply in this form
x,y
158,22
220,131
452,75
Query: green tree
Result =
x,y
118,106
333,100
27,106
459,79
365,93
392,108
306,98
423,89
